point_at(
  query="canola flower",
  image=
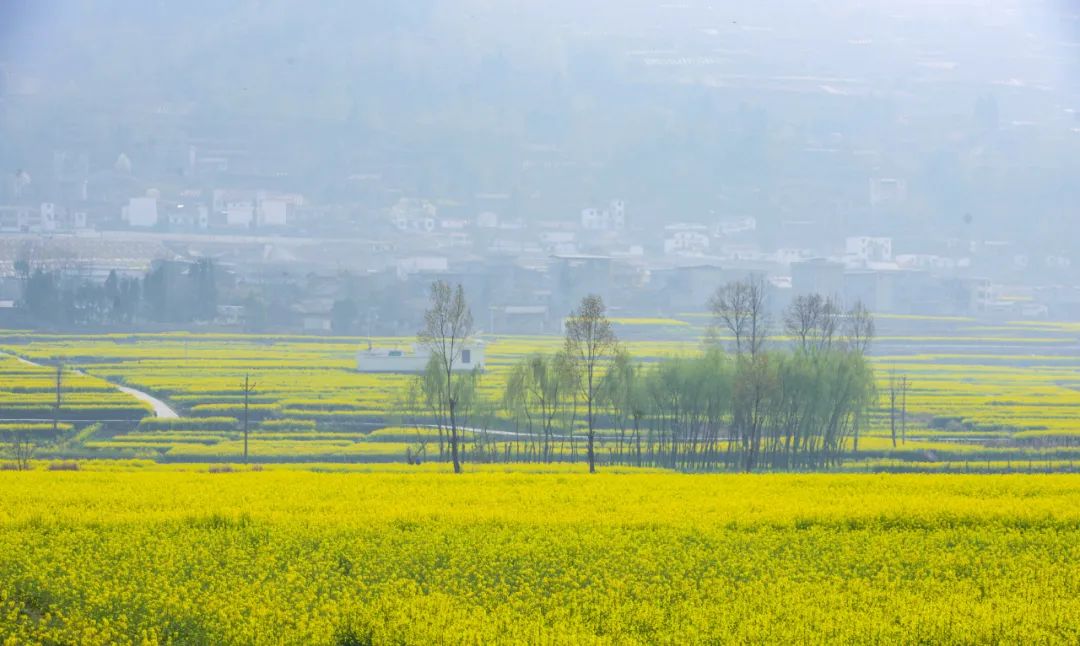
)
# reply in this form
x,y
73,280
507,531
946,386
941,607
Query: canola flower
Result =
x,y
509,556
1004,404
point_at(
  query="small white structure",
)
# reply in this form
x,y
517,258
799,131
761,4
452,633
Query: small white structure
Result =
x,y
415,359
925,261
559,242
48,216
141,212
686,239
240,213
868,249
734,226
885,191
412,214
612,218
421,265
273,213
244,208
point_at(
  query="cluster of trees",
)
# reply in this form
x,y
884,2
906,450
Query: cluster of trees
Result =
x,y
762,403
168,293
451,396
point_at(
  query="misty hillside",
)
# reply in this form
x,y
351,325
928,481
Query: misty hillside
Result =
x,y
685,109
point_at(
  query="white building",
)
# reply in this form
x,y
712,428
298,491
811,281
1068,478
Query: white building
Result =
x,y
453,224
886,191
686,239
243,208
421,265
559,242
240,213
611,218
411,214
734,226
141,212
273,213
867,249
925,261
415,359
48,216
187,216
788,255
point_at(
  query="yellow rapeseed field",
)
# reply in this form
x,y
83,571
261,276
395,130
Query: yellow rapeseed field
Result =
x,y
418,556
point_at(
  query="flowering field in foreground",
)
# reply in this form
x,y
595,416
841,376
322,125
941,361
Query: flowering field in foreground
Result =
x,y
291,556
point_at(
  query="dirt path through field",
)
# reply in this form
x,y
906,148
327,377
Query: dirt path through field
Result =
x,y
161,409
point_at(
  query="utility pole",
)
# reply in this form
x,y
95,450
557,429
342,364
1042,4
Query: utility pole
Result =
x,y
249,387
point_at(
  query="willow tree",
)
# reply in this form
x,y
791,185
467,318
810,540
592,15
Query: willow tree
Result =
x,y
448,326
590,342
620,388
540,391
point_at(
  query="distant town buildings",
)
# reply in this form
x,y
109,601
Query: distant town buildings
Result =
x,y
609,218
864,249
686,239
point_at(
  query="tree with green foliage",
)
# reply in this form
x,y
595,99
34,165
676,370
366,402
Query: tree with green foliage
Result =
x,y
539,391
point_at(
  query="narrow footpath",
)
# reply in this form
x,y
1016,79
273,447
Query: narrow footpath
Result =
x,y
160,408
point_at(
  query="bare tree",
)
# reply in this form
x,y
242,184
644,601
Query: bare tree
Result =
x,y
22,443
812,321
858,328
21,447
800,319
741,308
448,325
589,342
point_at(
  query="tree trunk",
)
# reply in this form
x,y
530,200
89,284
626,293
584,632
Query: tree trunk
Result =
x,y
592,437
454,437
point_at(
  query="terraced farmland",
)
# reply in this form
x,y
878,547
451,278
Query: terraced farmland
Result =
x,y
1000,398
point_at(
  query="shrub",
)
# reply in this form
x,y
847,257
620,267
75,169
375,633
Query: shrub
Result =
x,y
63,466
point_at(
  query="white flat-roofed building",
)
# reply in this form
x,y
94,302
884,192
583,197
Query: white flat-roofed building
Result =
x,y
415,359
141,212
868,249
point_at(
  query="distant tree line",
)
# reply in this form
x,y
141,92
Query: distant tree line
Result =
x,y
168,293
760,403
